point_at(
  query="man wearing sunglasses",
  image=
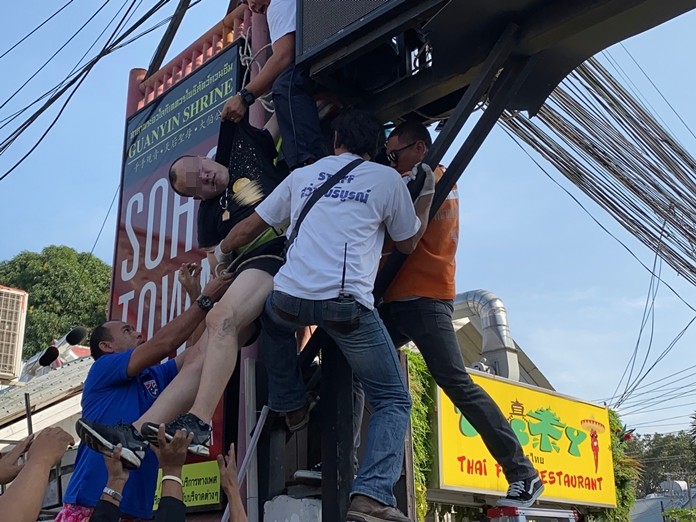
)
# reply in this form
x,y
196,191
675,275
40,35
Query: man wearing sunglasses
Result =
x,y
418,307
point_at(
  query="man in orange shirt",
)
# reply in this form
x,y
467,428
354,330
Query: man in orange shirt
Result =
x,y
418,307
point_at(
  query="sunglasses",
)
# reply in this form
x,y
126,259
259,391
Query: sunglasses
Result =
x,y
393,156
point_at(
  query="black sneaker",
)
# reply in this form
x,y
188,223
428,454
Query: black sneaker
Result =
x,y
104,438
200,444
522,493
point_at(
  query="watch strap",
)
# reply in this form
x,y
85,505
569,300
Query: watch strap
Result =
x,y
247,97
205,302
113,494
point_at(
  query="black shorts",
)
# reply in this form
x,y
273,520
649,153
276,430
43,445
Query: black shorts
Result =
x,y
267,257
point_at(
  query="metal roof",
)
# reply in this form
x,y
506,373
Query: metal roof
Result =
x,y
55,386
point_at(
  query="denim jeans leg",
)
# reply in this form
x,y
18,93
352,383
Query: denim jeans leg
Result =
x,y
298,118
286,389
358,409
371,355
428,323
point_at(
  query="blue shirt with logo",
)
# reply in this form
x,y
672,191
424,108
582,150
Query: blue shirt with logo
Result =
x,y
110,396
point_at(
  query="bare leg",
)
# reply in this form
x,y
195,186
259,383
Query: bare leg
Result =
x,y
239,307
178,396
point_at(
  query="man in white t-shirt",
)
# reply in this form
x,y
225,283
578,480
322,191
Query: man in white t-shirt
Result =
x,y
327,280
292,88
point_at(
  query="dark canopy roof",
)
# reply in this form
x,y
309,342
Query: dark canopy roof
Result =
x,y
558,34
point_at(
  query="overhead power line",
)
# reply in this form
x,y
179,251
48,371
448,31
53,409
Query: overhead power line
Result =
x,y
664,98
116,39
36,29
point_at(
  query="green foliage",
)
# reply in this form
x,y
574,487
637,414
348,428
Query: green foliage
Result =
x,y
65,288
420,384
679,515
626,473
626,467
663,457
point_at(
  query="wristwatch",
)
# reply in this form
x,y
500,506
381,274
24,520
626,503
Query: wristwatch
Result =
x,y
247,97
205,302
113,494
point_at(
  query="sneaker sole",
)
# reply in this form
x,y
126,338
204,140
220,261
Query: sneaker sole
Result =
x,y
506,502
103,446
304,476
356,516
151,433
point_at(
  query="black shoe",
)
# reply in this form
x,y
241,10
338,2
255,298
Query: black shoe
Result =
x,y
104,438
298,419
366,509
200,444
522,493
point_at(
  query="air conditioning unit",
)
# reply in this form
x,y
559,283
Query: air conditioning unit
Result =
x,y
13,313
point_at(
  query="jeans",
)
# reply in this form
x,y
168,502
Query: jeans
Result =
x,y
298,118
428,323
371,355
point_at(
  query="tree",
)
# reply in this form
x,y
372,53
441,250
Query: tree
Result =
x,y
663,457
679,514
66,288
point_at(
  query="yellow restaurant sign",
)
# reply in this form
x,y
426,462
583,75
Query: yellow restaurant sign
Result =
x,y
567,440
201,483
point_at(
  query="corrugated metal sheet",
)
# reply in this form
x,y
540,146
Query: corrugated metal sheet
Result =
x,y
55,386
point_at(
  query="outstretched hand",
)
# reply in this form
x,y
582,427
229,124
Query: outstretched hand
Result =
x,y
9,463
117,473
228,481
50,445
228,471
217,287
189,277
172,454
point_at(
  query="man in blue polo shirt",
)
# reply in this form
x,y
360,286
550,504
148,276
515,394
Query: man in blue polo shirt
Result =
x,y
120,390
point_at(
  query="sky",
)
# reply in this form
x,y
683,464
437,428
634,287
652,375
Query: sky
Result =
x,y
575,297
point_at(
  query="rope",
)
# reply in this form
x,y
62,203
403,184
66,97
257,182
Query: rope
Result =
x,y
248,60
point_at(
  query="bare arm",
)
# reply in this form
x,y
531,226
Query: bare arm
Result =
x,y
283,57
422,207
9,463
174,333
189,277
228,480
243,232
22,500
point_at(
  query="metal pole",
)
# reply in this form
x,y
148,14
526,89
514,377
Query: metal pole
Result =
x,y
241,472
168,37
27,406
472,96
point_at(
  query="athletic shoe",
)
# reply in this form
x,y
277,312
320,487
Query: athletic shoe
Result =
x,y
200,444
366,509
522,493
104,438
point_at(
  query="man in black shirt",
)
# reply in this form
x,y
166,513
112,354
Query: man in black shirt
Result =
x,y
229,188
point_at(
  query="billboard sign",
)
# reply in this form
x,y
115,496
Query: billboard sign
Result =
x,y
157,228
567,440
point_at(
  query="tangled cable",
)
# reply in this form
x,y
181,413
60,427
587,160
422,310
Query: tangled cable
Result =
x,y
613,149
